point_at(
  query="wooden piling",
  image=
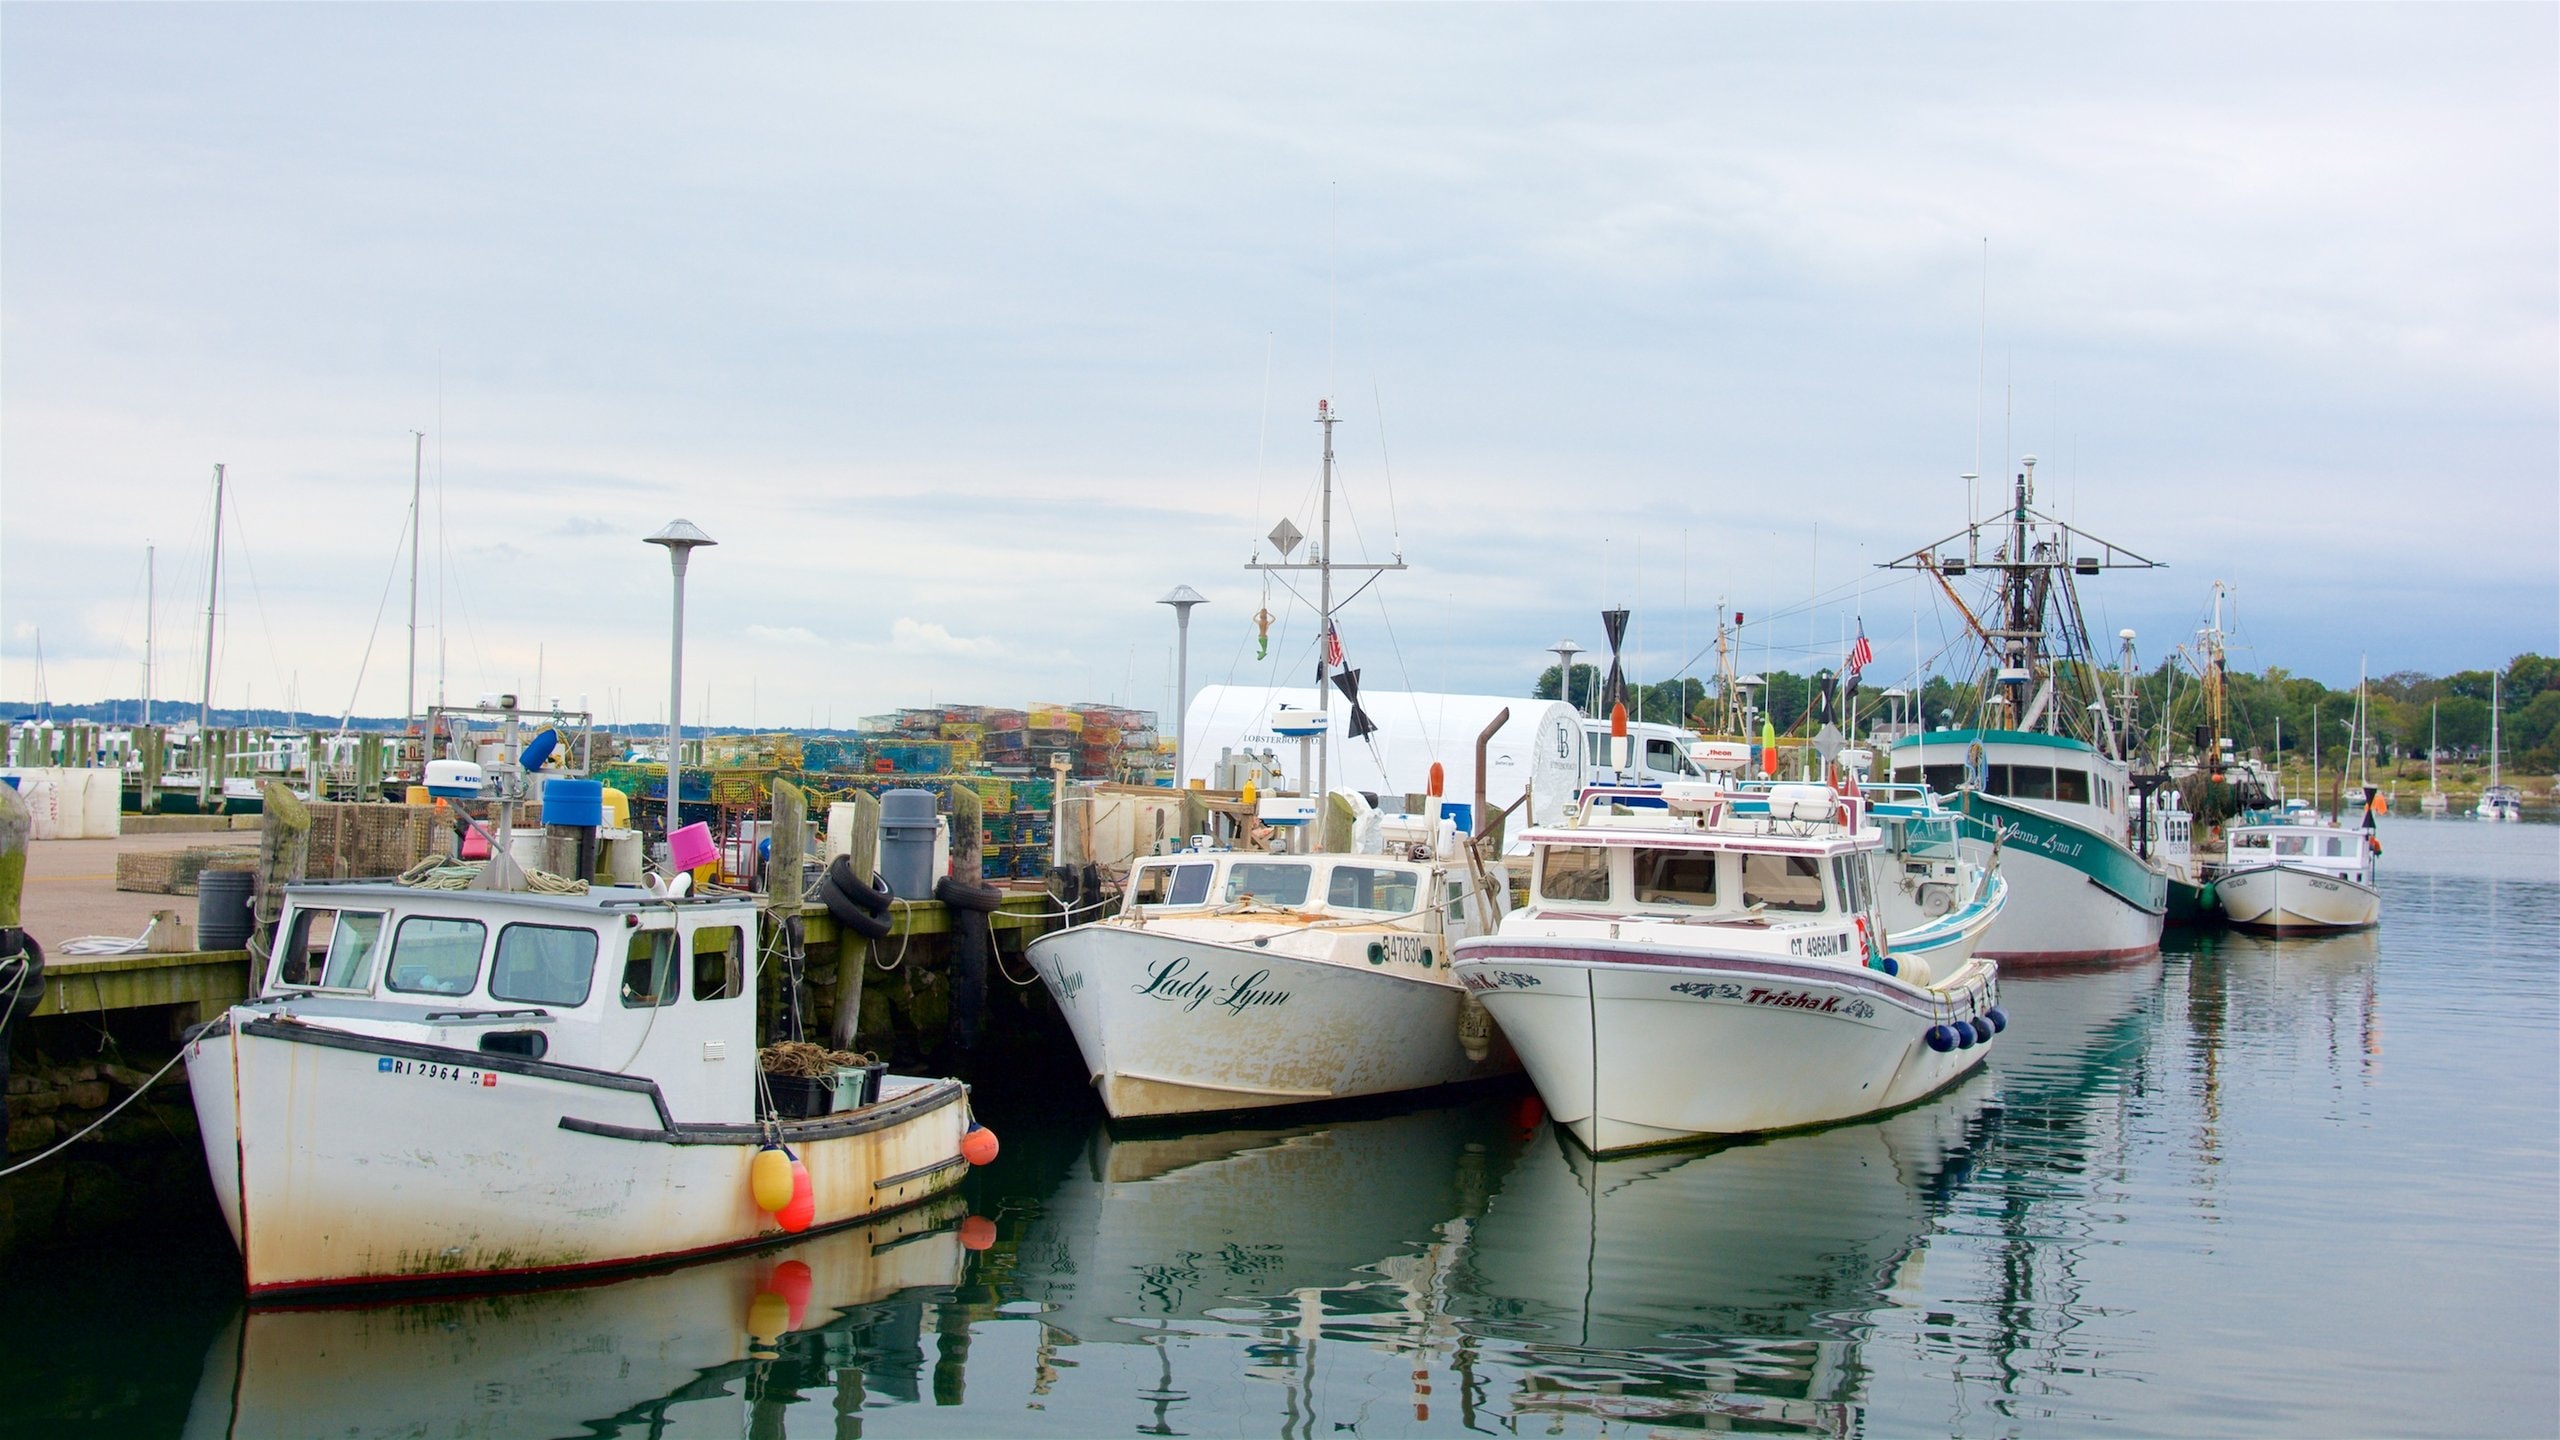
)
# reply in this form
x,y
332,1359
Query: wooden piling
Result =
x,y
853,954
284,856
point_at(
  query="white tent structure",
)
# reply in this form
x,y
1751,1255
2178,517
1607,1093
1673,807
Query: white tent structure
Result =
x,y
1540,749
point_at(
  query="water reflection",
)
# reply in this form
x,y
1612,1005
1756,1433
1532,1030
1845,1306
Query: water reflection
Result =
x,y
721,1342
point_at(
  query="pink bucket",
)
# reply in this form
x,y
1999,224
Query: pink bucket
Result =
x,y
690,848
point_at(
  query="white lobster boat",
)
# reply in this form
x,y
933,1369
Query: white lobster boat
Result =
x,y
460,1085
1237,980
1693,964
2295,878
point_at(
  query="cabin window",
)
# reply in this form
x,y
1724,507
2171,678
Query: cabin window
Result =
x,y
1906,775
649,970
2291,844
1173,884
1849,874
1268,883
432,955
2248,840
1676,877
2071,786
719,962
544,965
2334,846
331,949
1573,872
2030,782
1457,904
1371,887
1781,882
1945,779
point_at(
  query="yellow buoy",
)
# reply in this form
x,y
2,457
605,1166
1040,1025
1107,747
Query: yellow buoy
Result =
x,y
769,1179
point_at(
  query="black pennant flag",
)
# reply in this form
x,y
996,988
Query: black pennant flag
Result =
x,y
1348,682
1613,691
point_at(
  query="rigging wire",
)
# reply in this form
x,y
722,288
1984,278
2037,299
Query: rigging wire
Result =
x,y
376,632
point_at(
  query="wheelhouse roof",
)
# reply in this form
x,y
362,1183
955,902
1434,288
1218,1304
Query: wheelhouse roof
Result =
x,y
1960,738
601,899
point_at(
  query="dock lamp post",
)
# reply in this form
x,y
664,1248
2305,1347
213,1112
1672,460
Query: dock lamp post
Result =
x,y
1182,599
1895,698
682,538
1565,651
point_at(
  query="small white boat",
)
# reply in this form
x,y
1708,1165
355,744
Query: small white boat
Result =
x,y
1239,979
2297,877
458,1085
1691,964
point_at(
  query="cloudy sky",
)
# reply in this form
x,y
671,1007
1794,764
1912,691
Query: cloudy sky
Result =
x,y
970,331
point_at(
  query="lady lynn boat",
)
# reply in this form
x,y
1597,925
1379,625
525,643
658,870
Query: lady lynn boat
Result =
x,y
447,1085
1242,978
2045,772
1238,979
1694,964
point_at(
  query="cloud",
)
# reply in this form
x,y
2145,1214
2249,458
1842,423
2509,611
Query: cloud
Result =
x,y
787,636
915,637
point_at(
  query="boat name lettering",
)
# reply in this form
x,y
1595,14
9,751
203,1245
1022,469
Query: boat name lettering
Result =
x,y
425,1070
1817,945
1069,982
1796,1000
1501,980
1176,980
2054,842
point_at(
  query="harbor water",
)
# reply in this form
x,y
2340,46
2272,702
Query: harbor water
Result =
x,y
2249,1187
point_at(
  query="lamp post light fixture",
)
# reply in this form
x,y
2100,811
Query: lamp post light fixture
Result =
x,y
1565,651
682,538
1182,599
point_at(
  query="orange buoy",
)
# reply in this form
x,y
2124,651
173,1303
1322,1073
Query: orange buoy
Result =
x,y
1439,779
795,1217
769,1178
1527,1115
978,1147
977,1233
791,1280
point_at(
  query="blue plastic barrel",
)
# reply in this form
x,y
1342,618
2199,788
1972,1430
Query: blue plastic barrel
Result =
x,y
576,803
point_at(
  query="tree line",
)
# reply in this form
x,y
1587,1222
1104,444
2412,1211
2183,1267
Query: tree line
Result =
x,y
2257,708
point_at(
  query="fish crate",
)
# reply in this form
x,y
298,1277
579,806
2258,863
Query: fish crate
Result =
x,y
1030,862
997,720
1037,796
998,827
1003,742
995,862
1055,717
994,791
823,755
968,730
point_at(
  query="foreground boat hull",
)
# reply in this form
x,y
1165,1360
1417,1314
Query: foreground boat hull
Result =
x,y
1632,1049
2286,900
343,1160
2074,894
1170,1025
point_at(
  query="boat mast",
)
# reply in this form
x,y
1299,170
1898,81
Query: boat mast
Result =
x,y
212,588
1324,567
2493,728
150,615
2431,747
417,477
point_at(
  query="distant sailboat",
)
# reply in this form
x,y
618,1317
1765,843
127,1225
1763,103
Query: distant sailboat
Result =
x,y
2434,803
2500,801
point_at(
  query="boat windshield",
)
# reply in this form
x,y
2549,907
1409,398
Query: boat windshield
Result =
x,y
1373,887
1573,872
1186,884
1269,882
1676,877
1781,882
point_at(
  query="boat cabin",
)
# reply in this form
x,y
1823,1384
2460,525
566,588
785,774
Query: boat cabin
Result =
x,y
616,979
2326,849
1791,852
1370,889
2051,773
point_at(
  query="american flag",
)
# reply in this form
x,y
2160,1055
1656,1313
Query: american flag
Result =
x,y
1332,645
1860,653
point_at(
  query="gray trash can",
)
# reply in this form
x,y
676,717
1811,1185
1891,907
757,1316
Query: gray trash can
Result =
x,y
906,843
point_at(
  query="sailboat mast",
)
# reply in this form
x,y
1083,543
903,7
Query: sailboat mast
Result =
x,y
150,617
1324,602
2493,727
417,478
212,589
